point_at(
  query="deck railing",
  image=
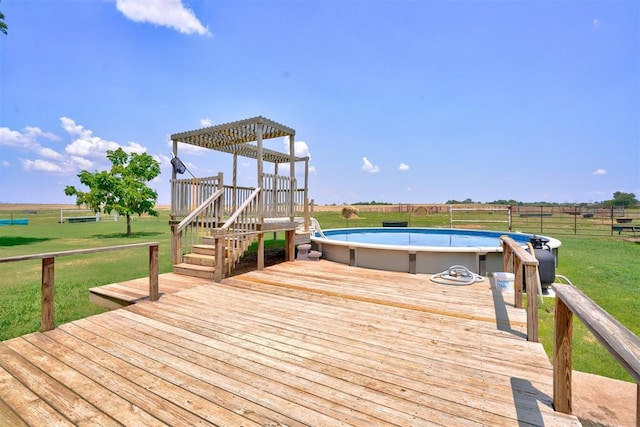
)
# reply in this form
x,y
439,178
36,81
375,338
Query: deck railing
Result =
x,y
196,225
234,197
236,234
524,266
618,340
277,195
48,275
189,193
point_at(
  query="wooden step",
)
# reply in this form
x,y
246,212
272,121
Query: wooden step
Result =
x,y
204,250
210,241
201,271
199,259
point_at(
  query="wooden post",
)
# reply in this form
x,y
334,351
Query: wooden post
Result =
x,y
219,205
306,215
153,272
562,353
176,244
292,176
531,279
47,294
218,272
290,250
518,282
260,254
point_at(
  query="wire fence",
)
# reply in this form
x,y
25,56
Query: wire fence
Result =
x,y
586,220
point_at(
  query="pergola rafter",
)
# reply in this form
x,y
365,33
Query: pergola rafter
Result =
x,y
235,138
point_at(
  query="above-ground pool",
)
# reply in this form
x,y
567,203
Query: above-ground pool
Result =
x,y
418,250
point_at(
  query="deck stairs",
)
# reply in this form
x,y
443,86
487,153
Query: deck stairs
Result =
x,y
202,260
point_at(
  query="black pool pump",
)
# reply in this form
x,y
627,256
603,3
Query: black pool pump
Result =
x,y
546,260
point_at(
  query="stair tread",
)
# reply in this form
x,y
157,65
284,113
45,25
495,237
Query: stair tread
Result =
x,y
188,266
197,255
204,246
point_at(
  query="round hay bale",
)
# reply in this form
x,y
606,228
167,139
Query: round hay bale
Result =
x,y
420,211
348,212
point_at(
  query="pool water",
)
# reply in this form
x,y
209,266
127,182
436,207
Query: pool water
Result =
x,y
427,237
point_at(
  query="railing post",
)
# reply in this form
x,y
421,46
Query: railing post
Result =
x,y
153,272
218,272
518,281
562,353
176,244
48,293
531,279
260,254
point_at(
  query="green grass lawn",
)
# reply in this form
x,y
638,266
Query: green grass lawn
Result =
x,y
605,268
74,275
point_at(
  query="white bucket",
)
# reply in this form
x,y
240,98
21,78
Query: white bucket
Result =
x,y
503,281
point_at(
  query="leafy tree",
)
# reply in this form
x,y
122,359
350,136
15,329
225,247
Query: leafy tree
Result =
x,y
3,25
123,189
621,199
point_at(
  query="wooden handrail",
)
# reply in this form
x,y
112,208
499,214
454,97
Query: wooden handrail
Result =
x,y
241,209
623,345
204,205
524,265
48,275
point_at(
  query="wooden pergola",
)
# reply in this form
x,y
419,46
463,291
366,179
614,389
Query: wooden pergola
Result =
x,y
271,205
245,138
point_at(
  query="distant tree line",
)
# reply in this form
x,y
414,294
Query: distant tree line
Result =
x,y
373,202
620,199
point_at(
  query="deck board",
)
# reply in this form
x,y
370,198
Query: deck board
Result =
x,y
299,343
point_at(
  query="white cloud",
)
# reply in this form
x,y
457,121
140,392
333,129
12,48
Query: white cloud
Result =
x,y
188,148
5,164
81,162
403,167
28,139
596,22
300,148
49,153
41,165
367,166
205,123
87,145
600,172
85,150
166,13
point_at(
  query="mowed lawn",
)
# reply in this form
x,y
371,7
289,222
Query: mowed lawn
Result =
x,y
74,275
605,268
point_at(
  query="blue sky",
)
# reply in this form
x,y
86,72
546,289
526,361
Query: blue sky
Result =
x,y
395,101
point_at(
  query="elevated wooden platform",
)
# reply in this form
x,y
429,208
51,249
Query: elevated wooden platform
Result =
x,y
299,343
118,295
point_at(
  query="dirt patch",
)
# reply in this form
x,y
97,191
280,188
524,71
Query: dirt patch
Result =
x,y
249,262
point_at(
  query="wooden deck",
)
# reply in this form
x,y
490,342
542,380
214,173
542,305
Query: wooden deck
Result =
x,y
299,343
116,295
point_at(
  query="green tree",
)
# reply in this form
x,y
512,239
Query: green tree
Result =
x,y
3,25
621,199
123,189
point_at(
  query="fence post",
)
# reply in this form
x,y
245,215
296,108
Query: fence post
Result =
x,y
48,293
562,353
153,272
